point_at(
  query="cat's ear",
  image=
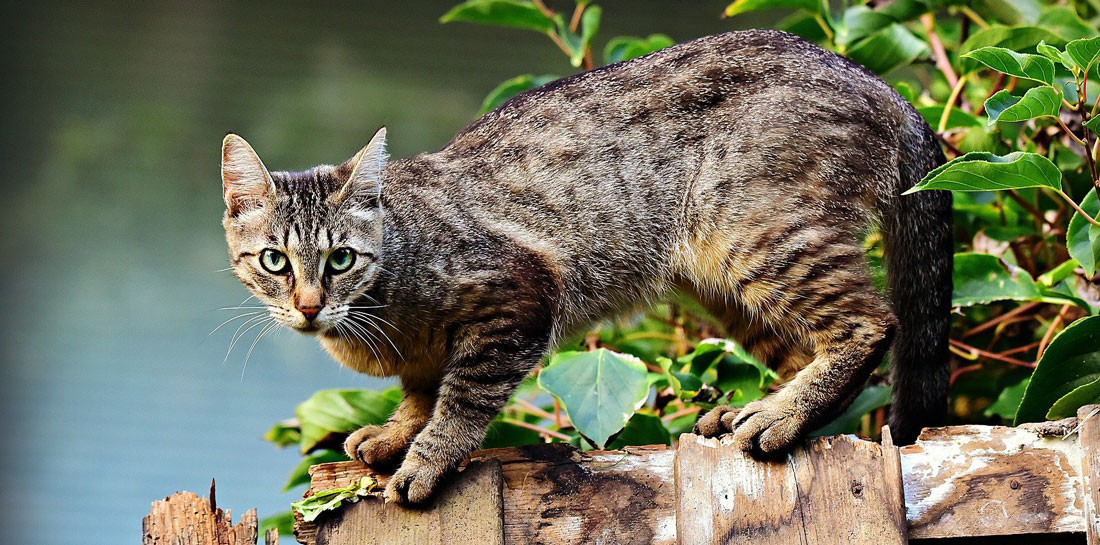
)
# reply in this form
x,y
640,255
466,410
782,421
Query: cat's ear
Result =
x,y
246,183
366,167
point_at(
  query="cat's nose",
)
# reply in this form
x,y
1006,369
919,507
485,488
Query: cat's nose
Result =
x,y
309,312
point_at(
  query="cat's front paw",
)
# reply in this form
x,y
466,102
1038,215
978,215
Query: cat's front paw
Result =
x,y
377,446
769,426
416,481
717,421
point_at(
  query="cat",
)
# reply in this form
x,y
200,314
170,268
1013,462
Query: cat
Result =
x,y
742,168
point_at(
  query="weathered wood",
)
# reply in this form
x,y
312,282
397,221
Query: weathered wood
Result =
x,y
830,492
1088,418
555,494
959,482
982,481
185,518
271,536
468,511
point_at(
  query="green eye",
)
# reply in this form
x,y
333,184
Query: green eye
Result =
x,y
340,260
274,261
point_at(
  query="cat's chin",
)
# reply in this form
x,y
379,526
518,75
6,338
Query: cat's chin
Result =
x,y
312,330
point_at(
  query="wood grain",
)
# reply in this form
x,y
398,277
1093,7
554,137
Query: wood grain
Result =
x,y
829,492
984,481
185,518
1088,418
466,512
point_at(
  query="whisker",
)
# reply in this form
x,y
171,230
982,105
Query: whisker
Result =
x,y
234,318
356,328
243,307
238,337
263,332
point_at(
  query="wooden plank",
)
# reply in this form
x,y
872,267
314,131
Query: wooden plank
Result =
x,y
983,481
555,494
830,492
1088,418
467,511
185,518
893,482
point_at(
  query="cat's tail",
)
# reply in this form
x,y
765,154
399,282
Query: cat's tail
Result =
x,y
917,233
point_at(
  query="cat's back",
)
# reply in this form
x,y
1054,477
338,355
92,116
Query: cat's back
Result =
x,y
707,79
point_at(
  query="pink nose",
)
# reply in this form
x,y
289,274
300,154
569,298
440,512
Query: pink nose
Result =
x,y
309,312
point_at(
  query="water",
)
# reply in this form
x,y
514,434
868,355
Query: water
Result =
x,y
113,396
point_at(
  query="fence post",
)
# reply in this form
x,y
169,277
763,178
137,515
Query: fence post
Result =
x,y
1088,420
185,518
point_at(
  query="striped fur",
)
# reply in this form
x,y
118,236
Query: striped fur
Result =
x,y
742,168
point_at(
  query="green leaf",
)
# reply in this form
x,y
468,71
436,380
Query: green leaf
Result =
x,y
300,474
684,385
1036,102
621,48
509,13
871,398
742,6
1054,54
1020,38
1066,23
984,171
330,412
957,117
1094,124
510,88
327,500
1071,361
1008,401
740,382
284,433
1084,52
1058,274
982,278
284,522
1068,404
1083,238
600,389
860,21
892,47
1021,65
1011,11
642,429
590,24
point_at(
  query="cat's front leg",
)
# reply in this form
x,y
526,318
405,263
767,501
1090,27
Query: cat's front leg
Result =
x,y
472,393
382,447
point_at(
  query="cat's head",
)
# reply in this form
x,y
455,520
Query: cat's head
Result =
x,y
306,244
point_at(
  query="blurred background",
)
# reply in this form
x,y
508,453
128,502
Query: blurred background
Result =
x,y
113,393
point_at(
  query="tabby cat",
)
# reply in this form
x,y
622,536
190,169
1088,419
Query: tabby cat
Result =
x,y
743,169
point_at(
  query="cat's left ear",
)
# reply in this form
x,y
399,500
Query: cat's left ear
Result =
x,y
366,169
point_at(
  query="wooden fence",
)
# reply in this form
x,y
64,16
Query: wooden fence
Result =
x,y
1033,484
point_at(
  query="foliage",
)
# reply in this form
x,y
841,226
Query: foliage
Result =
x,y
1004,84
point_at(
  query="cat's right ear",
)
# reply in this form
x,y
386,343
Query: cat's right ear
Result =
x,y
246,183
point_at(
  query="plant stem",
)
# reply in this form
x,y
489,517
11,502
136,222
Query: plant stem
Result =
x,y
682,412
1027,206
997,86
978,352
545,10
963,370
970,14
532,427
942,63
955,91
1006,316
824,26
1073,204
561,45
1057,321
531,408
576,19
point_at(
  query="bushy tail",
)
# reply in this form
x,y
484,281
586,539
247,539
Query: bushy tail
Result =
x,y
918,237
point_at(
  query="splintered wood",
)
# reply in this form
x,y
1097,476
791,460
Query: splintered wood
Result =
x,y
185,518
960,481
